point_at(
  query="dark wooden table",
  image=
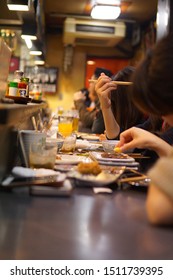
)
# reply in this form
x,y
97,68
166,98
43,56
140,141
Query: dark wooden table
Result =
x,y
84,226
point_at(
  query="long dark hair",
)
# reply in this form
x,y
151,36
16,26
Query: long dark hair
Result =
x,y
124,110
152,89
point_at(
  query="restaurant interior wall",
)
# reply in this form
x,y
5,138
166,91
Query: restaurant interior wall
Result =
x,y
71,81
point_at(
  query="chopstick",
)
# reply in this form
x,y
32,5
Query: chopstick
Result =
x,y
116,82
34,123
131,179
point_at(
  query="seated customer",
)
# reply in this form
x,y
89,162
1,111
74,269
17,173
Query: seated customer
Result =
x,y
83,94
87,116
119,112
152,92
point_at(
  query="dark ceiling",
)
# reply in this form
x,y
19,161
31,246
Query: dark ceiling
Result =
x,y
55,11
50,15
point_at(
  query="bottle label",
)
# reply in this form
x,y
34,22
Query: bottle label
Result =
x,y
22,92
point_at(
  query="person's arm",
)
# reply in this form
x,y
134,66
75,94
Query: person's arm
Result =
x,y
159,207
103,87
159,203
85,116
139,138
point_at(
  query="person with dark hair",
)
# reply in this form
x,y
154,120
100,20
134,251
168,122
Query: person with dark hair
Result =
x,y
120,113
83,93
118,110
152,92
87,117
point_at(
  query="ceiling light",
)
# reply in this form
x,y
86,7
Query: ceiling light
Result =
x,y
18,5
31,37
105,12
36,48
29,30
36,52
90,62
28,42
39,62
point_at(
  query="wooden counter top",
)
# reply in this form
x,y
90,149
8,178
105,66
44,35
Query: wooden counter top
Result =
x,y
82,227
19,115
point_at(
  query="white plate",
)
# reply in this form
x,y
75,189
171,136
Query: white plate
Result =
x,y
98,156
133,165
71,159
82,144
102,179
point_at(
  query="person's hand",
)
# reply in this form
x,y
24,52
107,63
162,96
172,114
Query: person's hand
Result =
x,y
135,138
78,96
139,138
103,88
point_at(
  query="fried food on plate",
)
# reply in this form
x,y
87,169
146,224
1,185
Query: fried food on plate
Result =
x,y
89,168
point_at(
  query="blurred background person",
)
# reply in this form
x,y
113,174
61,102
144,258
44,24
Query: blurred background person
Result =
x,y
87,116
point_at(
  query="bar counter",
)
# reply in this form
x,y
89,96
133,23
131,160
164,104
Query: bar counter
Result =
x,y
19,115
83,226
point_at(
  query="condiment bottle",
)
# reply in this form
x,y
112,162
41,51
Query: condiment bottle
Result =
x,y
13,88
22,89
26,80
37,94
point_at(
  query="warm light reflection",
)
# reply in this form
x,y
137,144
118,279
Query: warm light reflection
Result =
x,y
90,62
105,12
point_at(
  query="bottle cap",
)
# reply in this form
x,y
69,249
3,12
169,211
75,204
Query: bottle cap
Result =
x,y
24,79
13,84
22,85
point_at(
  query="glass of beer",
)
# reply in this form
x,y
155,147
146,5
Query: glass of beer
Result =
x,y
75,120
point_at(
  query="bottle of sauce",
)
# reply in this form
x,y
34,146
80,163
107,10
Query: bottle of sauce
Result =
x,y
22,89
26,81
13,88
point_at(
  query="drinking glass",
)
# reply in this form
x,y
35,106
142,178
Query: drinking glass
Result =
x,y
69,144
65,125
75,114
43,155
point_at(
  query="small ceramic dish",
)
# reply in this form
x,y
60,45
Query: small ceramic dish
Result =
x,y
109,145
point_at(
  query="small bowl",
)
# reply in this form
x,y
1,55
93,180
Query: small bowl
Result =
x,y
109,145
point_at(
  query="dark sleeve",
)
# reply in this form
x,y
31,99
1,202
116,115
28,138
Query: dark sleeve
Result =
x,y
85,117
98,126
168,136
145,125
151,156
